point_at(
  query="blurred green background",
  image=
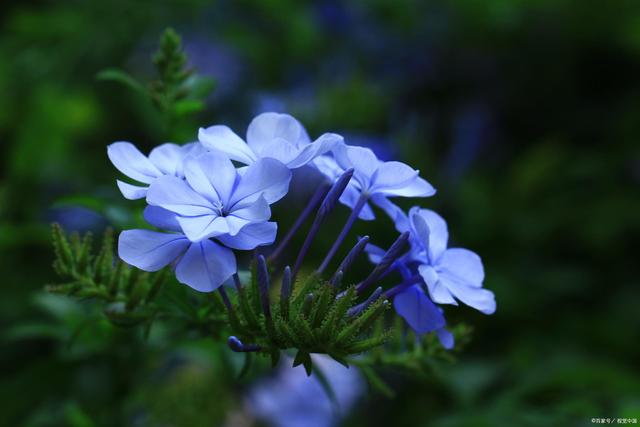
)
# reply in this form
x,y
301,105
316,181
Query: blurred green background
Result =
x,y
524,114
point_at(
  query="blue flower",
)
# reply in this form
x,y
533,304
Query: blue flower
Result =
x,y
270,135
202,265
411,302
373,179
422,315
451,274
166,159
292,399
215,200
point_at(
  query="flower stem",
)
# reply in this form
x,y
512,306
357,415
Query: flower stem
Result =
x,y
345,230
328,203
312,205
399,288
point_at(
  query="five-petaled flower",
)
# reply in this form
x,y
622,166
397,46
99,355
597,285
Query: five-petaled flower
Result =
x,y
373,179
451,274
212,201
215,200
270,135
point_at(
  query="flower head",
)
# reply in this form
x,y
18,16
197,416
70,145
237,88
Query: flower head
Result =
x,y
165,159
270,135
202,265
215,200
372,178
451,274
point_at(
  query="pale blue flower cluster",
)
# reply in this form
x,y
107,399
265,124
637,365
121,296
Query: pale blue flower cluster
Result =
x,y
448,275
213,197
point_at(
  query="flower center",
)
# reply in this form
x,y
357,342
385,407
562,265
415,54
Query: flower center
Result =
x,y
218,208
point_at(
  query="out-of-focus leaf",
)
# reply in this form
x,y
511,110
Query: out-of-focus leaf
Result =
x,y
188,106
119,76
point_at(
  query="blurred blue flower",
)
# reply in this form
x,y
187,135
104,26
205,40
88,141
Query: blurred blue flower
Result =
x,y
165,159
291,399
471,129
216,200
76,218
220,60
270,135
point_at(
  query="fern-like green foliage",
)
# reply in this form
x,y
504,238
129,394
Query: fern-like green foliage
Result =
x,y
176,91
313,317
312,320
128,293
129,296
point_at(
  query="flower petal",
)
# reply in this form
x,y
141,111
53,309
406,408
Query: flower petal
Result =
x,y
361,159
167,158
438,232
481,299
222,139
322,145
251,236
174,194
374,253
150,250
279,149
350,197
212,175
418,187
266,177
266,127
197,228
464,264
438,290
446,338
132,192
257,211
205,266
328,166
161,218
392,175
397,215
417,309
131,162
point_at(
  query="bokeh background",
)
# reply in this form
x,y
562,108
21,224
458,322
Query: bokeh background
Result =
x,y
524,114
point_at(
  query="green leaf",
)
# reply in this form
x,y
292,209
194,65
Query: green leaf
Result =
x,y
119,76
303,358
376,382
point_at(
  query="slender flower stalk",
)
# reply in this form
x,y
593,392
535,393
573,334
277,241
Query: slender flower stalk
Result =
x,y
400,287
306,307
225,300
328,203
237,282
345,230
357,249
285,292
386,262
336,281
312,205
236,345
263,283
360,307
